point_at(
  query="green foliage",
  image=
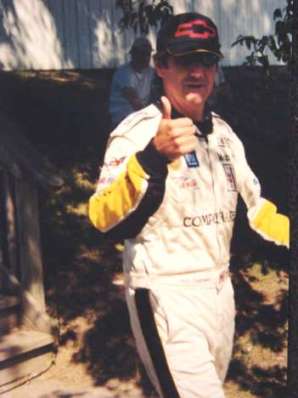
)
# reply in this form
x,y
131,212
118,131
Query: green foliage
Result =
x,y
141,14
279,43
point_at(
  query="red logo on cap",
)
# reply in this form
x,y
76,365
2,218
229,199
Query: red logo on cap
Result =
x,y
188,29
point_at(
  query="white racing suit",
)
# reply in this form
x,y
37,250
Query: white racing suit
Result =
x,y
177,221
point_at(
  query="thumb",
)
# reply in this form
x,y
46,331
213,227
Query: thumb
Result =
x,y
166,108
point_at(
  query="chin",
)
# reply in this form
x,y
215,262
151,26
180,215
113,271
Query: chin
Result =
x,y
195,98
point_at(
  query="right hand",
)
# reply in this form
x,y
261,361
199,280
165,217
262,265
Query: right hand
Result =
x,y
175,137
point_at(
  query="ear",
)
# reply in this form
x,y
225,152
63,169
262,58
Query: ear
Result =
x,y
160,65
160,70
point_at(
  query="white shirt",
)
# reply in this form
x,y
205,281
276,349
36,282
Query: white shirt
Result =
x,y
126,76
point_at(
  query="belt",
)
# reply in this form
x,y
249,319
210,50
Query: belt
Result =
x,y
213,279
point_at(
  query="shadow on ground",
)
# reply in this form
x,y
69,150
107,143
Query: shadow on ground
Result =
x,y
64,114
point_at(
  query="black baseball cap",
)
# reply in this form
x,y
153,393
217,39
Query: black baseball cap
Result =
x,y
188,33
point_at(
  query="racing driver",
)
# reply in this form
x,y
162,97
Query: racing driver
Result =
x,y
168,186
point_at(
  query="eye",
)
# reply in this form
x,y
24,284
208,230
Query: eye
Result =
x,y
205,60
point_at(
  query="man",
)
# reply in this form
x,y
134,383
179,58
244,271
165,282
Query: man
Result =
x,y
131,83
169,186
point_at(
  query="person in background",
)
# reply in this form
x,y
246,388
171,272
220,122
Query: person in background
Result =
x,y
169,187
131,82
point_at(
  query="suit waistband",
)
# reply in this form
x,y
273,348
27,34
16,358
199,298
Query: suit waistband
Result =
x,y
211,278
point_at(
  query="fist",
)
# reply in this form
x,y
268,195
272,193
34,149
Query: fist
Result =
x,y
175,137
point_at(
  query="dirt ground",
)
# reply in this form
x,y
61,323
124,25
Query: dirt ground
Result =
x,y
59,113
257,370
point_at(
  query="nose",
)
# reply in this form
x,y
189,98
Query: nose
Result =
x,y
197,71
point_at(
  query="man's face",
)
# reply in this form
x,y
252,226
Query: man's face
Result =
x,y
188,80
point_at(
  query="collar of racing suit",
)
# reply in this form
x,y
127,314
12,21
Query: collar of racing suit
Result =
x,y
205,126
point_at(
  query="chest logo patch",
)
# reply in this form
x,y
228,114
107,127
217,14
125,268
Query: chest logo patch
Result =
x,y
191,159
229,172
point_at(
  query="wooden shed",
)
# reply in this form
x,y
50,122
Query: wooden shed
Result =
x,y
27,333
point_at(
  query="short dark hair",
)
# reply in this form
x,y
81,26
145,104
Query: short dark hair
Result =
x,y
161,59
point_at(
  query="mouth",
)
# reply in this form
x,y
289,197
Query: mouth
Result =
x,y
194,85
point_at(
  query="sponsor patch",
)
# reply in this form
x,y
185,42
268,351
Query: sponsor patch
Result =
x,y
196,29
105,180
224,142
223,157
191,159
219,217
230,177
186,182
114,162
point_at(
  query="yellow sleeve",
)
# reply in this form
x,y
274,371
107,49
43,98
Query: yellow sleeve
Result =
x,y
270,224
116,201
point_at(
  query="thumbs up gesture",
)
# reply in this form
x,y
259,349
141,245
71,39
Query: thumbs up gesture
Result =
x,y
175,137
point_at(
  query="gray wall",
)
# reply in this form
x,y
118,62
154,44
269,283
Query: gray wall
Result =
x,y
71,34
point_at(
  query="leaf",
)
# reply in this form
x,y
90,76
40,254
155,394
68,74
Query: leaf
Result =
x,y
126,5
134,21
277,14
141,17
263,60
289,25
272,45
264,40
164,8
250,41
239,40
290,8
166,16
279,27
251,60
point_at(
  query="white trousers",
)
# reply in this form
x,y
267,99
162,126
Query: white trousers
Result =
x,y
184,335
